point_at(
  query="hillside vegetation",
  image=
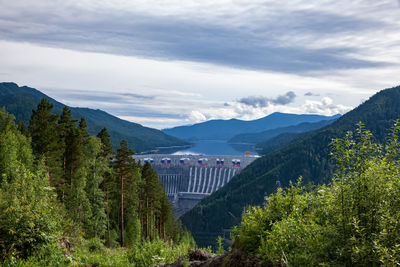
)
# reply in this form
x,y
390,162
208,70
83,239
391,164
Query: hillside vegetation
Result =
x,y
352,221
20,101
67,199
260,137
307,156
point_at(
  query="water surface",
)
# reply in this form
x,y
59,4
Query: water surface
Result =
x,y
216,147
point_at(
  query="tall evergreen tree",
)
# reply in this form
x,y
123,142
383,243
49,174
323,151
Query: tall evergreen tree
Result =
x,y
22,128
124,167
66,126
45,140
106,141
151,192
108,184
83,131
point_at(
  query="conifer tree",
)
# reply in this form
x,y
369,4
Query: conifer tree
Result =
x,y
22,128
106,141
83,131
124,166
150,190
108,183
45,140
66,126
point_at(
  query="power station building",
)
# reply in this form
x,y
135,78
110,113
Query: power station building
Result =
x,y
189,178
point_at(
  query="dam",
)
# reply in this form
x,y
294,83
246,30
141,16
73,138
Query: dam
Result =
x,y
189,178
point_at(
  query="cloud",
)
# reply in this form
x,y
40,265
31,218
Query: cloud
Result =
x,y
262,102
138,96
296,37
310,94
196,116
284,99
324,106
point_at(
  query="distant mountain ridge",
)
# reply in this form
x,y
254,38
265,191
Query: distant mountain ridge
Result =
x,y
256,138
226,129
306,156
20,101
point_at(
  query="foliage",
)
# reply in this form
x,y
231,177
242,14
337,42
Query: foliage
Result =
x,y
306,156
351,221
20,101
28,214
156,252
91,194
260,137
220,246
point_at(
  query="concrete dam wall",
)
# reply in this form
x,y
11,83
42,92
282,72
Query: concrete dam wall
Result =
x,y
189,178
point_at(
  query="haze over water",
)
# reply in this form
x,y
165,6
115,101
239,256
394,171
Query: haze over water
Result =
x,y
216,147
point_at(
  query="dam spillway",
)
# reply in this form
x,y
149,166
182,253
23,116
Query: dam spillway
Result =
x,y
189,178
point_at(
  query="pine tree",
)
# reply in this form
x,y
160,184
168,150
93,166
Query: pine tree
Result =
x,y
106,141
45,139
22,128
108,183
66,126
150,190
124,166
83,131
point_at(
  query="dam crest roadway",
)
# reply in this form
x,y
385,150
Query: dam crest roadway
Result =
x,y
189,178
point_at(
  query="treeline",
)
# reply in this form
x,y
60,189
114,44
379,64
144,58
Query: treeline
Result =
x,y
58,181
352,221
306,156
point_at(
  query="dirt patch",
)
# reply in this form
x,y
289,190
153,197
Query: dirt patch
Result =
x,y
200,258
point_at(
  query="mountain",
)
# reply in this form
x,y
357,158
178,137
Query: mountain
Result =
x,y
20,101
307,156
226,129
276,143
255,138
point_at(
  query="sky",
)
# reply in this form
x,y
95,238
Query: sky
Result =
x,y
163,63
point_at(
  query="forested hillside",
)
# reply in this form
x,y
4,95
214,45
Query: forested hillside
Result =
x,y
308,156
20,101
352,221
66,198
256,138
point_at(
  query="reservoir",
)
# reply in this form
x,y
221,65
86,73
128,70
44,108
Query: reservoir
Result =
x,y
217,147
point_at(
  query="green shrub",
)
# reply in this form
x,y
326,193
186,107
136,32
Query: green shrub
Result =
x,y
352,221
29,215
156,252
95,245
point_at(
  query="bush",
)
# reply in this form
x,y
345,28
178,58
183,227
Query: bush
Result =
x,y
352,221
156,252
29,215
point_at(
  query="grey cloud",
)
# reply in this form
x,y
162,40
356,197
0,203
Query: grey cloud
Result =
x,y
100,97
261,102
138,96
284,99
255,101
253,46
311,94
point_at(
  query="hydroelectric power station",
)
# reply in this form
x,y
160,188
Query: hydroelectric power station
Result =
x,y
189,178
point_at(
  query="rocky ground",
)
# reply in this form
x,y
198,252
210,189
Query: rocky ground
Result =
x,y
204,259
